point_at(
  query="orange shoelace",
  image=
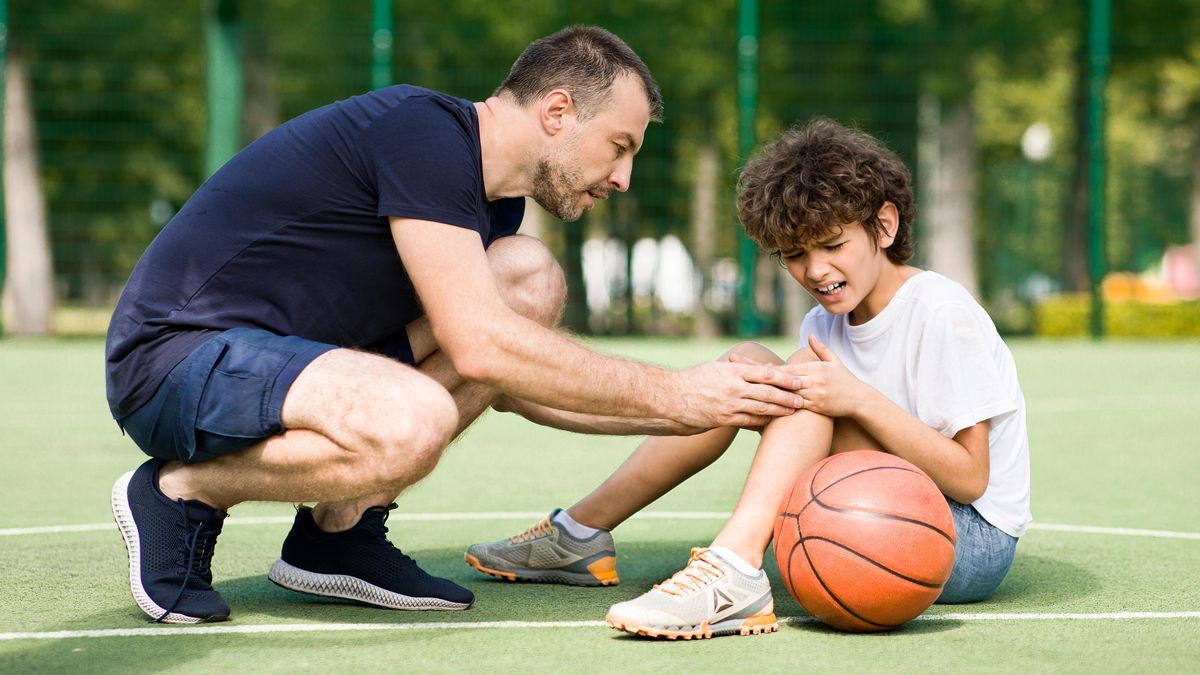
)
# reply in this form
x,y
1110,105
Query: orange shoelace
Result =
x,y
698,573
540,529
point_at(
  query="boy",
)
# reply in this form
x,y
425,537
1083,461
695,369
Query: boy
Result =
x,y
894,358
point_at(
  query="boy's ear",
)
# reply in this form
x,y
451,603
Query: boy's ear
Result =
x,y
889,222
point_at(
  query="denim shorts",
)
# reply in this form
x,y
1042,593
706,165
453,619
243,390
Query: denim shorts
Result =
x,y
982,555
225,396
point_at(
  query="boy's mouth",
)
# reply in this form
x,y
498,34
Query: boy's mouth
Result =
x,y
831,288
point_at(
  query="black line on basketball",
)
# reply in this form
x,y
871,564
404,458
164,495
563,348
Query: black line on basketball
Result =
x,y
816,498
874,562
887,516
843,605
812,496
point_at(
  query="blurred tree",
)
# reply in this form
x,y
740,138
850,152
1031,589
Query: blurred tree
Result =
x,y
28,299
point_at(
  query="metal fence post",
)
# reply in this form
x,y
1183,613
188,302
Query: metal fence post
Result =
x,y
3,84
1099,33
747,46
223,41
381,44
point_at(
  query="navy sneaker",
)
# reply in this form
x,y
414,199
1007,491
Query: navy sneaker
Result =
x,y
360,564
170,544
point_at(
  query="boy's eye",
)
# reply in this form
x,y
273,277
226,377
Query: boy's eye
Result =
x,y
791,255
834,247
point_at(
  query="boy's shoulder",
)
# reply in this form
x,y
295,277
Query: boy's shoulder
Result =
x,y
934,290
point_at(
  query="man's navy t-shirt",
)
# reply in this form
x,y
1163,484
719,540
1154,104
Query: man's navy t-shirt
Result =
x,y
292,235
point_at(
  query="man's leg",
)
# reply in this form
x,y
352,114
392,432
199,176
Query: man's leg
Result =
x,y
532,283
361,428
315,558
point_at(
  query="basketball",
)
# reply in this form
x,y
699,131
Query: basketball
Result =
x,y
865,541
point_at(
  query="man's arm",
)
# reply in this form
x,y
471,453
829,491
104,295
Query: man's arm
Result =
x,y
487,342
583,423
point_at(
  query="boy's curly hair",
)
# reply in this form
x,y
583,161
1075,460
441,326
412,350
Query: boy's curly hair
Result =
x,y
816,178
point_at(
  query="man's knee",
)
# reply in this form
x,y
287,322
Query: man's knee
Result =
x,y
529,278
392,420
410,445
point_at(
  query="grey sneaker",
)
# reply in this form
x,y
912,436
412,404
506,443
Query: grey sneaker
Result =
x,y
708,598
547,553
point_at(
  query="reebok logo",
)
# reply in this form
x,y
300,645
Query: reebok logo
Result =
x,y
721,602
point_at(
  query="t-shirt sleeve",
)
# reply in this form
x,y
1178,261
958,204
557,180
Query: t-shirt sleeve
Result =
x,y
811,326
423,161
958,383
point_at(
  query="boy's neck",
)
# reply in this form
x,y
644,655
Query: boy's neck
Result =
x,y
891,277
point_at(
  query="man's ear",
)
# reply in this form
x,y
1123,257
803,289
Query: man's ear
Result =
x,y
557,106
889,222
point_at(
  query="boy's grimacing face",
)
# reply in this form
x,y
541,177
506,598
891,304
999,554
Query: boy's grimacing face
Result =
x,y
841,270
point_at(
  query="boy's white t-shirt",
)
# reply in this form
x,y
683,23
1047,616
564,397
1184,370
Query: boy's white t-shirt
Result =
x,y
934,352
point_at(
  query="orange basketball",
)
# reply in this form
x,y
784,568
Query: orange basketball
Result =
x,y
864,541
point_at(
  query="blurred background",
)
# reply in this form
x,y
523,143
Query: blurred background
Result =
x,y
1055,144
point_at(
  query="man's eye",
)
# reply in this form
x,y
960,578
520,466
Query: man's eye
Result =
x,y
620,149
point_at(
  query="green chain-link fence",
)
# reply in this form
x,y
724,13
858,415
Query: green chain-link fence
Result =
x,y
120,111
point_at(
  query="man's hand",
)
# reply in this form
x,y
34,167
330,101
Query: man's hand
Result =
x,y
736,394
827,386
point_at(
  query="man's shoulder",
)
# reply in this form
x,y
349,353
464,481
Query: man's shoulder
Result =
x,y
413,100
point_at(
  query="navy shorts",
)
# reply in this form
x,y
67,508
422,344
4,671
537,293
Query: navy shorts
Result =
x,y
225,396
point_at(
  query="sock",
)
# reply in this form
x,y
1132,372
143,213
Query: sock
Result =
x,y
736,560
577,530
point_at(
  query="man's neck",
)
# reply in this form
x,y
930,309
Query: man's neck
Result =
x,y
505,142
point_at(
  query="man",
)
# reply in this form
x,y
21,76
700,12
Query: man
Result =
x,y
348,293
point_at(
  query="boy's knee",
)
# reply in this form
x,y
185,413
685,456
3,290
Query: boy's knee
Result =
x,y
803,356
529,278
751,351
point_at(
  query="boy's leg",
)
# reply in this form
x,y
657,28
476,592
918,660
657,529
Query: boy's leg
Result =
x,y
659,464
554,552
737,594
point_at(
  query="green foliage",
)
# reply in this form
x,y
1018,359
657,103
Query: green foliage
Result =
x,y
1067,316
119,94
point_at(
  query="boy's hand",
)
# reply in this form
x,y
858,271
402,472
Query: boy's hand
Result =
x,y
827,386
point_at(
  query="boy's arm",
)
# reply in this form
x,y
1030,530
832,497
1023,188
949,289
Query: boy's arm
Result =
x,y
958,465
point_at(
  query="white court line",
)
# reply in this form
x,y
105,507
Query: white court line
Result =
x,y
534,515
511,625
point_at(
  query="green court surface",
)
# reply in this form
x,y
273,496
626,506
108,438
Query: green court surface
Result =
x,y
1107,581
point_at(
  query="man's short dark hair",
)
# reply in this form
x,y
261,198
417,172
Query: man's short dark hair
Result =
x,y
817,178
584,60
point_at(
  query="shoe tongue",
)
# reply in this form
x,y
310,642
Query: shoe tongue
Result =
x,y
375,516
198,510
378,511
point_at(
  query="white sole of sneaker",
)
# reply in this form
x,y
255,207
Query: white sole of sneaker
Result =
x,y
352,588
124,517
754,625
